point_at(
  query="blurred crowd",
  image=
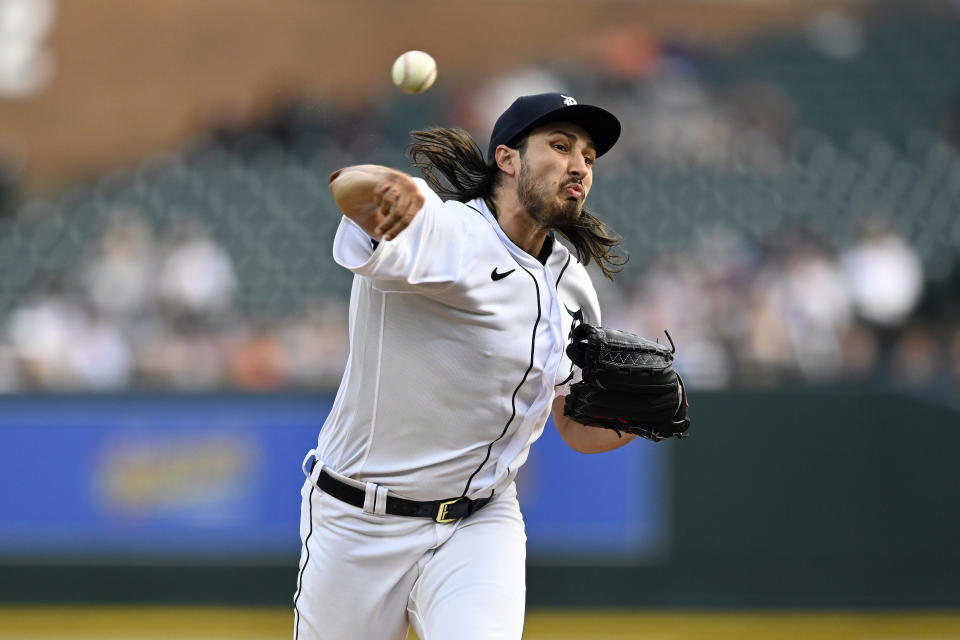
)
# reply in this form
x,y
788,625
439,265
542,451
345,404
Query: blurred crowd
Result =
x,y
149,312
798,312
754,300
152,312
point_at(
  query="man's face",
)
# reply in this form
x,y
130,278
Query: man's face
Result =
x,y
556,171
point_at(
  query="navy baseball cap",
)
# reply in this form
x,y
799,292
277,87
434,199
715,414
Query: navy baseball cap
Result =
x,y
529,112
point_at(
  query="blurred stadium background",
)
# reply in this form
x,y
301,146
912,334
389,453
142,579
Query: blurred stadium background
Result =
x,y
172,326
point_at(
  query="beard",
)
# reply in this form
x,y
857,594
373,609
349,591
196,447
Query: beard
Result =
x,y
543,204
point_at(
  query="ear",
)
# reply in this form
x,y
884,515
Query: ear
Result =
x,y
507,159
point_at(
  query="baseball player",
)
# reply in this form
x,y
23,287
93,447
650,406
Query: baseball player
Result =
x,y
460,313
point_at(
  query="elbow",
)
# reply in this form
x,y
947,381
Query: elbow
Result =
x,y
345,198
336,189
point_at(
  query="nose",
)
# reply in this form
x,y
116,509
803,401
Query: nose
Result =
x,y
577,166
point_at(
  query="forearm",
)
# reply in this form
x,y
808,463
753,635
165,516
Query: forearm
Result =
x,y
583,438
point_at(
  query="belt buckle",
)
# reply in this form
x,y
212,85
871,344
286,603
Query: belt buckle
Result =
x,y
442,509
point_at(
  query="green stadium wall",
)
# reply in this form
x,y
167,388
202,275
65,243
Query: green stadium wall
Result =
x,y
814,498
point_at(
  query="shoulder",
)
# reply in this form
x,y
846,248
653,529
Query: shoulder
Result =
x,y
467,216
472,217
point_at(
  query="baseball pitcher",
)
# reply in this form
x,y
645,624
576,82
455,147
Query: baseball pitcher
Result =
x,y
470,322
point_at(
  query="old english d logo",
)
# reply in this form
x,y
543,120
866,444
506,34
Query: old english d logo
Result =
x,y
577,321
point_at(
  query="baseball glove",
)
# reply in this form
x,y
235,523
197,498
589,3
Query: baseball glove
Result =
x,y
628,384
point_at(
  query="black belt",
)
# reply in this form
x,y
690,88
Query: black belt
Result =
x,y
437,510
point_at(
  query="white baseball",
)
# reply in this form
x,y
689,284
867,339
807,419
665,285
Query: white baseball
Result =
x,y
414,71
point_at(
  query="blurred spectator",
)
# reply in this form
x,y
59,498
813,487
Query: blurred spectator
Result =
x,y
100,358
42,333
817,309
704,363
26,66
190,357
258,362
674,295
120,280
885,276
767,353
196,274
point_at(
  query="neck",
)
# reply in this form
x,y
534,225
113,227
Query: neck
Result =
x,y
517,223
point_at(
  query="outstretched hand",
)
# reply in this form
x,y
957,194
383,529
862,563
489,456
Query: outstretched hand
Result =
x,y
398,200
381,200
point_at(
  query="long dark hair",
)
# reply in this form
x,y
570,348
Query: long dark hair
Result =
x,y
453,166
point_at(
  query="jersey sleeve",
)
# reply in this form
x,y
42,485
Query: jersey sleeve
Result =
x,y
580,305
428,252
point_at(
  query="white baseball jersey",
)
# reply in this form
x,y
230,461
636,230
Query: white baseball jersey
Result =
x,y
457,340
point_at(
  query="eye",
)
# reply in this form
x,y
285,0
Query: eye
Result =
x,y
560,145
589,160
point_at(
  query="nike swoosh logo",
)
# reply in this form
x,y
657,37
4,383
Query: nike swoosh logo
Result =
x,y
499,276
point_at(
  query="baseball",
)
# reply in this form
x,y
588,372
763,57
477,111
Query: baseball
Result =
x,y
414,71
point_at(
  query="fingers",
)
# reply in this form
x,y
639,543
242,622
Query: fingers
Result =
x,y
396,213
398,200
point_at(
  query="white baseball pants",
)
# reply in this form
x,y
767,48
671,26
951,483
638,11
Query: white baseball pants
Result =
x,y
365,576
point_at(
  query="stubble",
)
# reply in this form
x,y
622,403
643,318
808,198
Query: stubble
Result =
x,y
544,205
